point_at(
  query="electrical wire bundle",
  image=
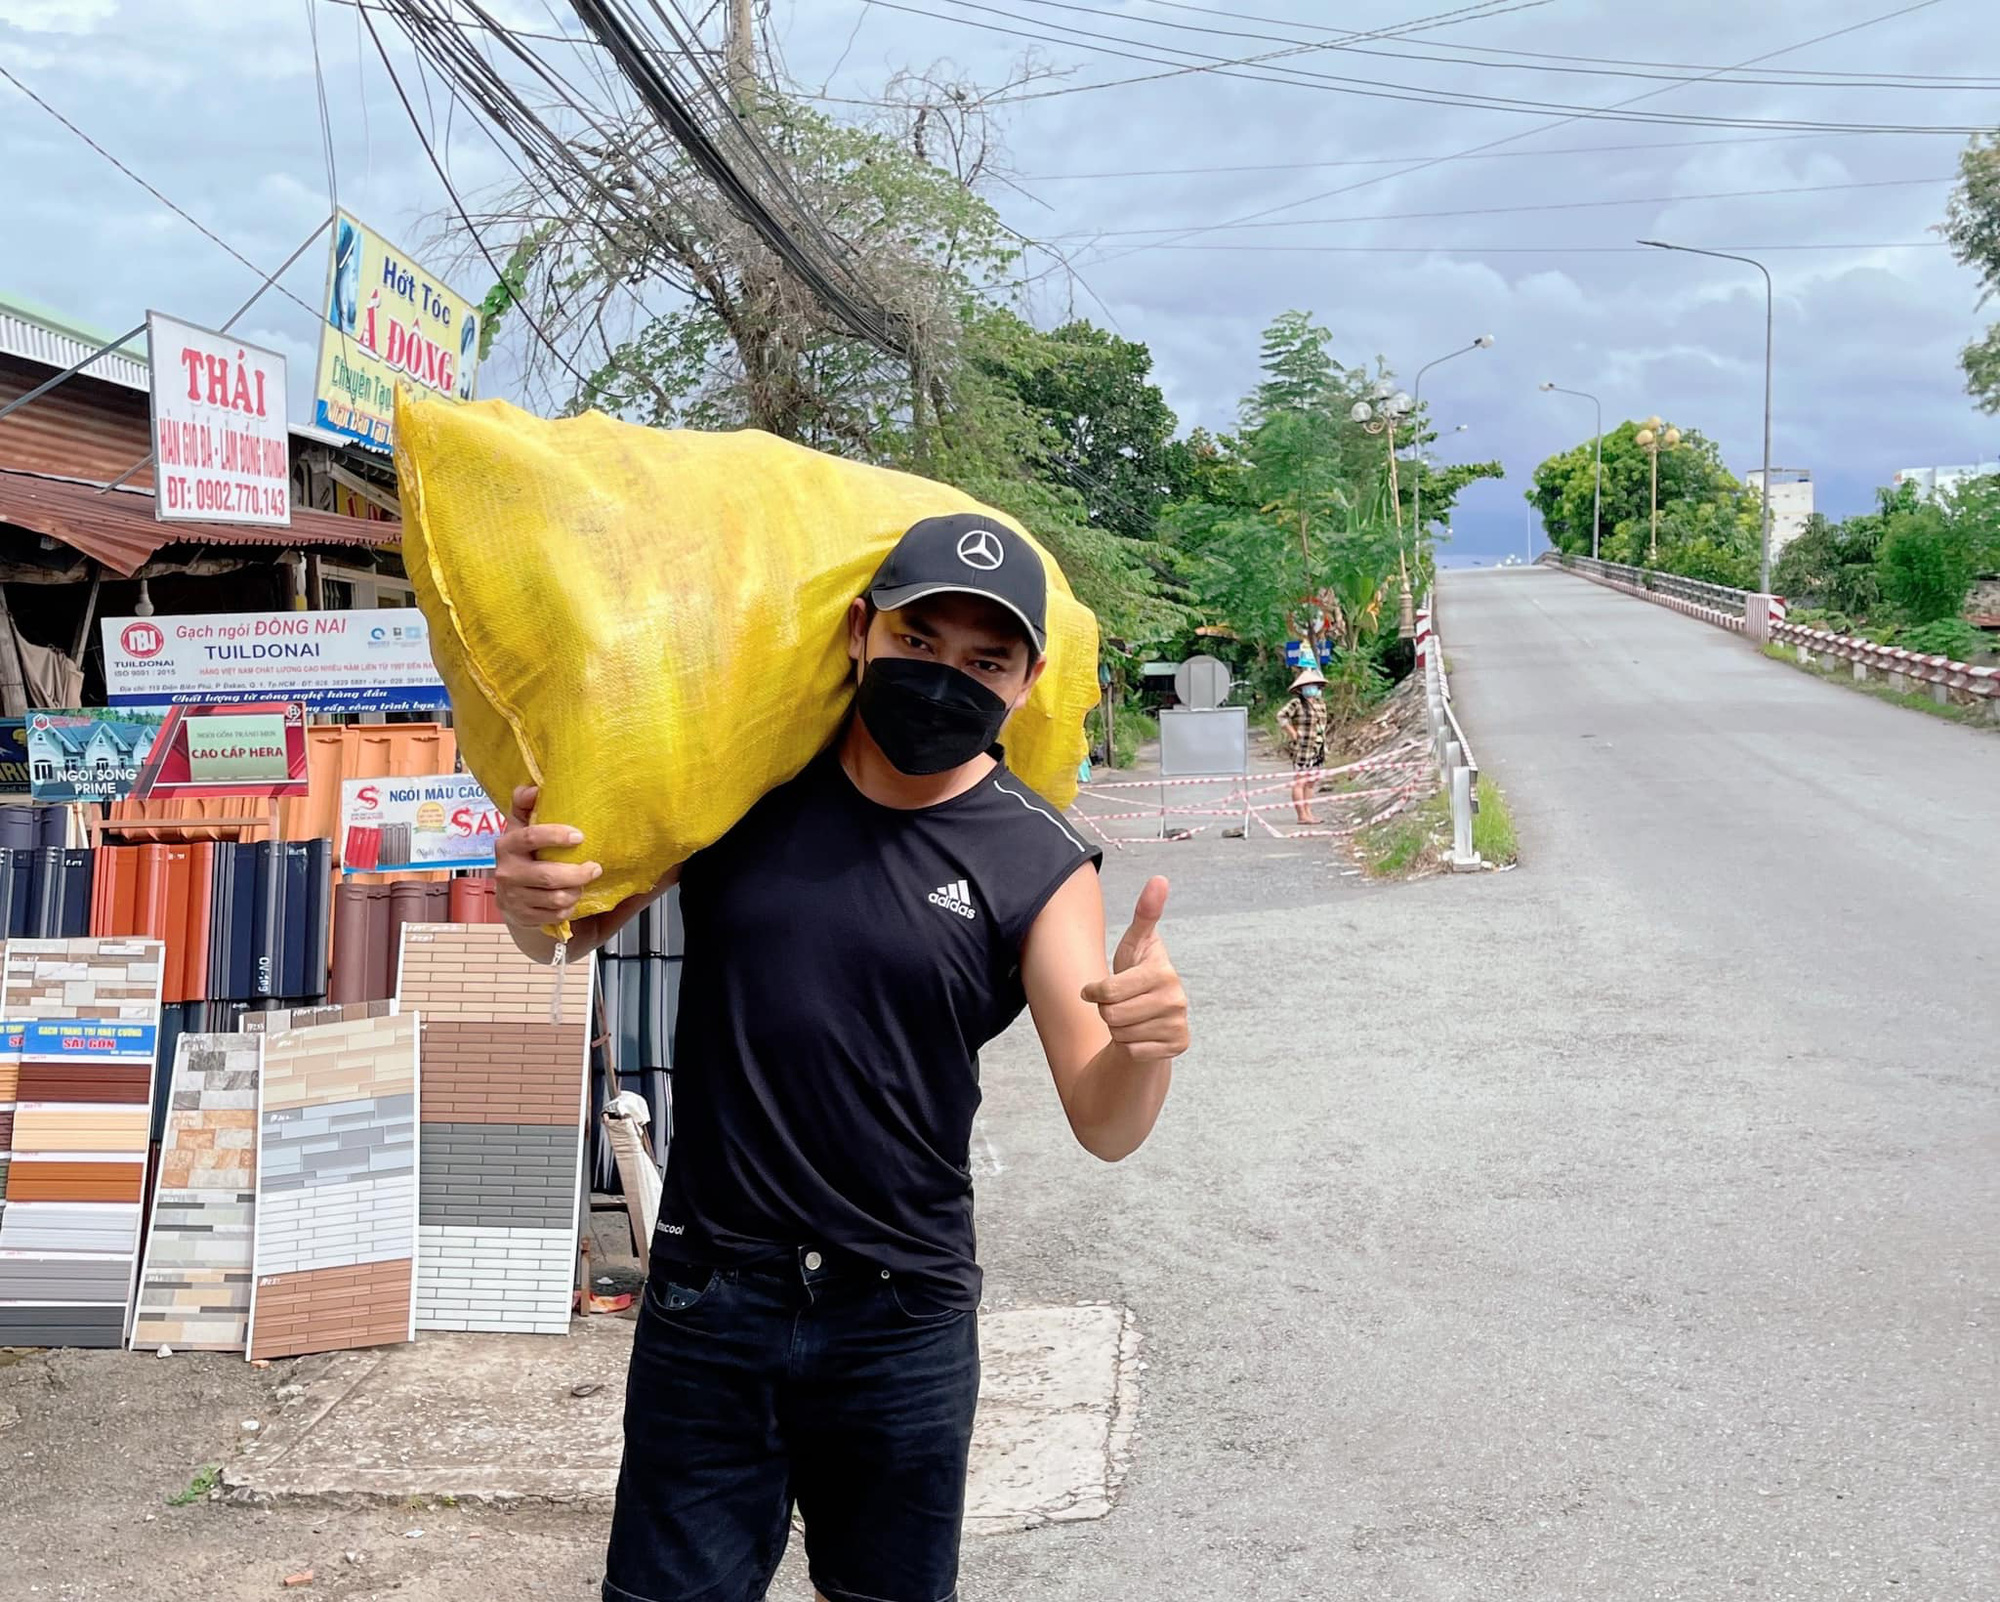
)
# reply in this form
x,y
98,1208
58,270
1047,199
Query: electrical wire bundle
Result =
x,y
642,180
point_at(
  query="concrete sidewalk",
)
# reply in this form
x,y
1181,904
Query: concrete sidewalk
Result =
x,y
525,1419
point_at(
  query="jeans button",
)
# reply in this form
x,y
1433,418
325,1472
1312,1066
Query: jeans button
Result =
x,y
813,1259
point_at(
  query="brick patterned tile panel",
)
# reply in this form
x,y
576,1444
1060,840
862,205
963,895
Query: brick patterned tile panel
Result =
x,y
73,1227
108,1129
487,1073
96,979
130,1082
477,973
194,1288
58,1181
332,1309
100,1327
336,1188
502,1113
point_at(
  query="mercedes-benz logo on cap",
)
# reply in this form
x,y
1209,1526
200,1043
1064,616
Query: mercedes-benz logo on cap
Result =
x,y
981,549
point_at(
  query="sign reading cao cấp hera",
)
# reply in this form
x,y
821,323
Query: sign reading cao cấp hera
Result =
x,y
388,321
330,661
392,824
221,450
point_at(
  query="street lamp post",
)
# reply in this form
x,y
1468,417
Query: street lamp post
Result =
x,y
1652,439
1764,559
1483,342
1388,410
1597,485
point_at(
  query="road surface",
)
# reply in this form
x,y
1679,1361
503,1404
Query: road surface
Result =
x,y
1621,1227
1618,1229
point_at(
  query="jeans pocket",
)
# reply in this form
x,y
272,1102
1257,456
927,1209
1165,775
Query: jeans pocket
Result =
x,y
920,1305
677,1287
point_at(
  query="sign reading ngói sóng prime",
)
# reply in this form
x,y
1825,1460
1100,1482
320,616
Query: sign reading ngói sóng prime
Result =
x,y
392,825
327,661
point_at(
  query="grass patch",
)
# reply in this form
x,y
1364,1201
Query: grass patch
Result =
x,y
1493,828
204,1482
1410,843
1841,673
1132,729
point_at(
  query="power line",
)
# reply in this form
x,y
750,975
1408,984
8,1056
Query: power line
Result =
x,y
499,272
1374,89
1605,70
1547,205
200,227
1530,250
1480,11
1549,127
1390,161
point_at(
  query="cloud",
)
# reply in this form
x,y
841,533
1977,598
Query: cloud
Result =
x,y
214,101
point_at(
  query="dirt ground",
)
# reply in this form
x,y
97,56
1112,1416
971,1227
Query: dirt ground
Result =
x,y
89,1460
94,1445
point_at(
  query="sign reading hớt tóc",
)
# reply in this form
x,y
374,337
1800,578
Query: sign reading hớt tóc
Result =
x,y
393,824
221,452
388,321
330,661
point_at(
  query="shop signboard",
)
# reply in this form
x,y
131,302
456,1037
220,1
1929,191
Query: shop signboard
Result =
x,y
78,1041
14,759
332,661
182,753
395,825
388,321
221,449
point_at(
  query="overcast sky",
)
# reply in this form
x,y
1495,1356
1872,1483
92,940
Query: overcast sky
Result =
x,y
213,102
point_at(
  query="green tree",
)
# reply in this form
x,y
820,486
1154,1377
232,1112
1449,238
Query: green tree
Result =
x,y
990,443
1299,375
1700,499
1925,563
1975,507
1972,227
1113,431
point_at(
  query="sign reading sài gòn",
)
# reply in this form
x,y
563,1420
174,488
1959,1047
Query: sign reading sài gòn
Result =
x,y
330,661
393,824
221,450
388,321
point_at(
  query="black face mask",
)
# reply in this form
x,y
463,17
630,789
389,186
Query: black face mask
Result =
x,y
927,717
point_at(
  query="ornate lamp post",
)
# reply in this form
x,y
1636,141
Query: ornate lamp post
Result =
x,y
1389,409
1652,439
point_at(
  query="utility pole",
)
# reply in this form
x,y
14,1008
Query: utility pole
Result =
x,y
740,50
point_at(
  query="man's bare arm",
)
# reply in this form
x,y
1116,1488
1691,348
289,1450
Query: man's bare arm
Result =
x,y
1110,1036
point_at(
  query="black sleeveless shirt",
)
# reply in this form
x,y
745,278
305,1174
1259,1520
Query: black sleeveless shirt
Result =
x,y
846,961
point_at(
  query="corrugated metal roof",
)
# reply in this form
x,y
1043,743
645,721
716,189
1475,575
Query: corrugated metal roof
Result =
x,y
40,337
78,430
118,527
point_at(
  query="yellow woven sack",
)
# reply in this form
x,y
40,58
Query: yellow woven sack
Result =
x,y
649,624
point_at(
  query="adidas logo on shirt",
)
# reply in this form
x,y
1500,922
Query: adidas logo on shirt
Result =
x,y
955,897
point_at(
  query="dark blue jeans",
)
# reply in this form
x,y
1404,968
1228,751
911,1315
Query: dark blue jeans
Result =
x,y
810,1381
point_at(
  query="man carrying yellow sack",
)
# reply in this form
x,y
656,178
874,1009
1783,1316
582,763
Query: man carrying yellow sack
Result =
x,y
808,1334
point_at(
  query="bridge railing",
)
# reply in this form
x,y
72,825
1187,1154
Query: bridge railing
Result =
x,y
1942,673
1762,617
1712,603
1458,769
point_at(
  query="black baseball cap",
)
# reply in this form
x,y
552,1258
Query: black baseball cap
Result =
x,y
967,553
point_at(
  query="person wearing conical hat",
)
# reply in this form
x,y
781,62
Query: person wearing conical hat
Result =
x,y
1303,719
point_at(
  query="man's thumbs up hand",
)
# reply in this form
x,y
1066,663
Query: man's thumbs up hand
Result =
x,y
1142,1002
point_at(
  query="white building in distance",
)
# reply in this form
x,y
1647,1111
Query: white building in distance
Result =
x,y
1791,502
1933,482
